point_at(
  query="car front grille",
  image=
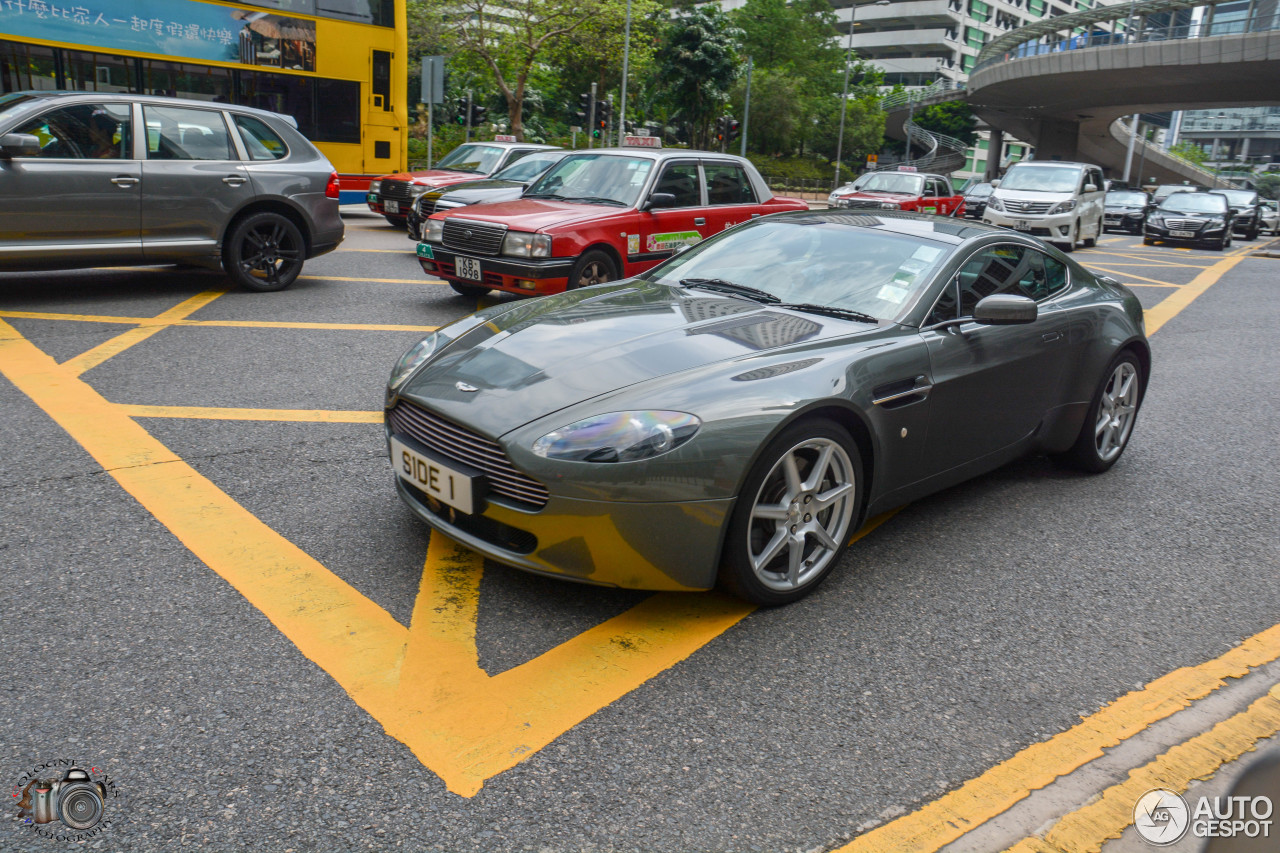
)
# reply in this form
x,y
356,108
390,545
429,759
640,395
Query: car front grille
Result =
x,y
464,446
1037,207
396,191
861,204
427,206
480,238
1183,224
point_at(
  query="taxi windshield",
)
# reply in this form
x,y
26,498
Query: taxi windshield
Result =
x,y
813,262
892,182
481,159
528,168
594,179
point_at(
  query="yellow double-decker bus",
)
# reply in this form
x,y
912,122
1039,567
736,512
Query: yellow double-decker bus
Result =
x,y
337,66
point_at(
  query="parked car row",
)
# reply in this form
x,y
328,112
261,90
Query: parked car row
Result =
x,y
1190,214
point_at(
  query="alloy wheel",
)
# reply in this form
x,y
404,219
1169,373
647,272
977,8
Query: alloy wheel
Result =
x,y
1116,411
269,251
593,273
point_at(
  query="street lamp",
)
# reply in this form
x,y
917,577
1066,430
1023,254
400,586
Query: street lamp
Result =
x,y
844,99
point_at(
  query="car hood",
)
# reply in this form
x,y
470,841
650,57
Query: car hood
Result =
x,y
880,196
433,177
536,214
546,354
478,192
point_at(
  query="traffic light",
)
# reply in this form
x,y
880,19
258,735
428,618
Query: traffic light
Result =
x,y
722,128
604,114
477,114
733,129
461,104
584,108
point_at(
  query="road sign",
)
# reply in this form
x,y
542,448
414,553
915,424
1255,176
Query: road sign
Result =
x,y
432,80
872,159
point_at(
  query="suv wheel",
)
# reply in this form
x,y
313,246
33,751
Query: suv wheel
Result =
x,y
264,252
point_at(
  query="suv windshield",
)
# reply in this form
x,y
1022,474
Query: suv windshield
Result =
x,y
528,168
1129,197
1195,203
1045,179
1240,198
814,263
594,177
979,190
892,182
481,159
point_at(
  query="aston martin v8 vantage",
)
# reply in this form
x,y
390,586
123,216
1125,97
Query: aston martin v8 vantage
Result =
x,y
734,415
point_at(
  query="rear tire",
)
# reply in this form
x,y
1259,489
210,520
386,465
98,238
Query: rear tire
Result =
x,y
594,267
264,252
1109,422
471,291
795,514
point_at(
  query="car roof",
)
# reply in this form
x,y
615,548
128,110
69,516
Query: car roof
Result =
x,y
1055,163
130,97
942,228
663,154
497,144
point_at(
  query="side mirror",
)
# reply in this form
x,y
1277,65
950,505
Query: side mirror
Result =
x,y
995,183
1091,188
1005,309
658,200
19,144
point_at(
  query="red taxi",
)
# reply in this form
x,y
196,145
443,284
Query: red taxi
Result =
x,y
595,216
394,195
900,190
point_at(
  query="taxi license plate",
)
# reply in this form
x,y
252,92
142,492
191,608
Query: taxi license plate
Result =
x,y
445,484
1183,235
392,206
424,251
1021,225
468,268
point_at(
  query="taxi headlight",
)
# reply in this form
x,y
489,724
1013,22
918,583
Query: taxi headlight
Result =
x,y
434,231
412,360
375,186
522,244
890,205
619,437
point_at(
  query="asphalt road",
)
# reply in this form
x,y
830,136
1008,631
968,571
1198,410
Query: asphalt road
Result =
x,y
966,627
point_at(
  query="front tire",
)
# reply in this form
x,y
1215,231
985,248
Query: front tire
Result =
x,y
264,252
794,516
1109,422
594,267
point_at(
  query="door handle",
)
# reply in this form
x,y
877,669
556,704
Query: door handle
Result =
x,y
233,180
1049,337
895,393
701,220
124,180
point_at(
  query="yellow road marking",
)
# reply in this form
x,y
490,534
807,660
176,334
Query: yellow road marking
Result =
x,y
1144,284
1155,262
371,280
238,324
78,318
222,414
108,349
1135,275
1088,827
989,795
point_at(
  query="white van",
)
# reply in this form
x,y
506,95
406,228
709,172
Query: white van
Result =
x,y
1059,202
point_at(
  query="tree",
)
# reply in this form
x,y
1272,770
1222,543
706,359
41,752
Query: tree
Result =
x,y
1269,185
777,110
507,39
950,118
697,62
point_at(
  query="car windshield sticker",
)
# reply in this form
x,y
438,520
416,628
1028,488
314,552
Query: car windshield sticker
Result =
x,y
671,241
633,244
926,253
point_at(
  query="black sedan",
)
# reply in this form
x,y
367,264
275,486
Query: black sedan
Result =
x,y
1191,217
735,414
1246,219
975,200
506,185
1126,210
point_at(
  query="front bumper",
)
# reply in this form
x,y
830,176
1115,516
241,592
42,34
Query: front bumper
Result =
x,y
379,205
658,546
1128,221
1054,228
531,277
1201,234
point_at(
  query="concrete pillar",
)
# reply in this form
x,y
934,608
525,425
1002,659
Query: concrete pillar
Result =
x,y
995,153
1058,140
1213,150
1244,149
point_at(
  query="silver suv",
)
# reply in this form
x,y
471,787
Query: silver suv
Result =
x,y
99,179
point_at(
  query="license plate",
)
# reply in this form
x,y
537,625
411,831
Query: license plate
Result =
x,y
392,206
1021,225
445,484
424,251
468,268
1182,235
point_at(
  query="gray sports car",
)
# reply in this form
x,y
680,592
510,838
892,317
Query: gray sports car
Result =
x,y
736,413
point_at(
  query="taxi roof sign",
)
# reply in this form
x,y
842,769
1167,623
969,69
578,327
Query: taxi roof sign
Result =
x,y
503,137
907,169
630,141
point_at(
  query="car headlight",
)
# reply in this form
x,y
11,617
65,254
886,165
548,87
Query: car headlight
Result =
x,y
433,232
412,360
993,203
522,244
832,198
375,186
1063,206
619,437
1158,221
416,190
890,205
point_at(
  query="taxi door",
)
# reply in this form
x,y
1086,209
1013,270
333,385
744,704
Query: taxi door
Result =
x,y
938,197
730,197
664,230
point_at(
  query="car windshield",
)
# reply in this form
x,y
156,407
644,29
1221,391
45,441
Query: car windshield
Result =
x,y
892,182
17,98
979,190
1195,203
481,159
528,168
814,262
1128,197
1240,198
1046,179
607,178
1163,192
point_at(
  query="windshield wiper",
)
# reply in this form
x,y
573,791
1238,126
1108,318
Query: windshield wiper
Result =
x,y
556,196
830,310
722,286
594,199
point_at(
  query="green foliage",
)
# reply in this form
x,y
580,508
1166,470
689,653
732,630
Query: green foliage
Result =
x,y
697,62
1269,185
951,118
1189,151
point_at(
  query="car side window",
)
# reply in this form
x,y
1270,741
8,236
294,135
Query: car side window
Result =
x,y
997,269
1041,276
83,132
177,133
727,184
681,180
260,141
